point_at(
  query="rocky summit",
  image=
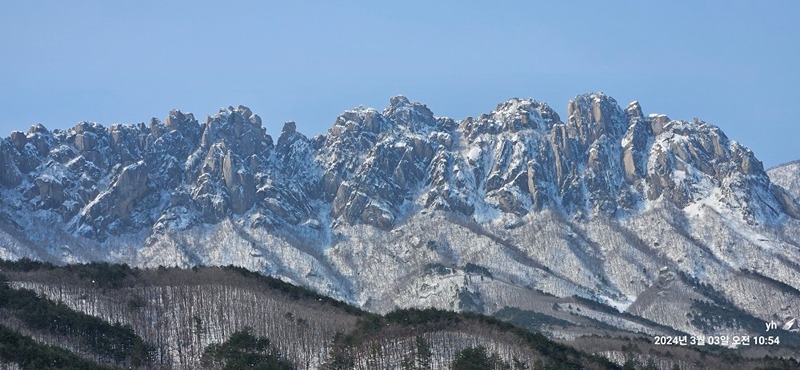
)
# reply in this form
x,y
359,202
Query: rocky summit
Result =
x,y
647,215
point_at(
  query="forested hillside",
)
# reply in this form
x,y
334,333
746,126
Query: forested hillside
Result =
x,y
101,315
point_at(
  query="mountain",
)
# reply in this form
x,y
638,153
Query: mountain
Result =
x,y
611,220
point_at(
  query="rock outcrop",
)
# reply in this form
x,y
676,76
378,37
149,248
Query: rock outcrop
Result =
x,y
372,166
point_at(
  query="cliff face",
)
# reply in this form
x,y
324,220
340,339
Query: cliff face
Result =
x,y
518,159
402,208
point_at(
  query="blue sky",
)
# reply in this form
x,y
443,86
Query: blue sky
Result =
x,y
733,64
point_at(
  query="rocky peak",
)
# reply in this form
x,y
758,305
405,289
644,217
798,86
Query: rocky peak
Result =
x,y
289,128
354,133
91,141
658,121
177,120
38,129
635,145
525,113
694,162
355,123
398,102
634,110
594,115
290,143
415,116
373,166
512,116
234,148
19,139
238,129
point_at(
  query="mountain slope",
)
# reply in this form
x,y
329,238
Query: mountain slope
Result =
x,y
183,312
196,319
400,208
787,175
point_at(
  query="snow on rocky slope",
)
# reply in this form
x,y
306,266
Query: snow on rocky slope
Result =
x,y
787,175
400,208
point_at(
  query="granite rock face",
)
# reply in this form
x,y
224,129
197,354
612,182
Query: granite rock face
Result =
x,y
372,166
593,204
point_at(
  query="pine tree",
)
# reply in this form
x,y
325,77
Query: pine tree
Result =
x,y
407,364
424,354
519,364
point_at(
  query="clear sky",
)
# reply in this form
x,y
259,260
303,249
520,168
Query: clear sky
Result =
x,y
730,63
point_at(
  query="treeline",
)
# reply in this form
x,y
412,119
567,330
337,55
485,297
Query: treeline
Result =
x,y
110,343
294,291
232,318
196,317
115,276
99,274
403,324
182,312
28,354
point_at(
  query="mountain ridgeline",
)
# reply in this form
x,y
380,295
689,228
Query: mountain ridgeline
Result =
x,y
608,222
520,158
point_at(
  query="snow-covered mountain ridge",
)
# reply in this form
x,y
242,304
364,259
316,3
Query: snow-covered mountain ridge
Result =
x,y
402,208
